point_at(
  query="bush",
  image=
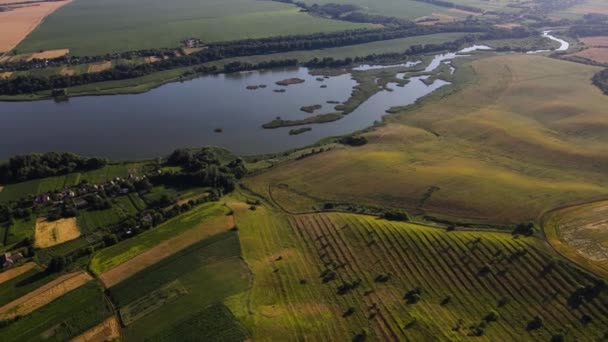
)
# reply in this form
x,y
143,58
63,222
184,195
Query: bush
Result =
x,y
492,316
536,323
413,296
396,216
353,141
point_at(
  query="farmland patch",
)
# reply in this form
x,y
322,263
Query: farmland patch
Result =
x,y
596,54
16,271
99,67
51,233
44,295
151,301
108,330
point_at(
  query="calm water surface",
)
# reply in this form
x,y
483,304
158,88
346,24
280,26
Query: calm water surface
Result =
x,y
186,114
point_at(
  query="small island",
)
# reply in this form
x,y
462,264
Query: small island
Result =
x,y
301,130
279,90
333,102
324,86
311,109
252,87
317,119
218,130
290,81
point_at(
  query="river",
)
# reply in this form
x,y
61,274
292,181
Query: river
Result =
x,y
187,114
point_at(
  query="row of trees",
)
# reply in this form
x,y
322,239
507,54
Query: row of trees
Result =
x,y
30,166
600,80
31,84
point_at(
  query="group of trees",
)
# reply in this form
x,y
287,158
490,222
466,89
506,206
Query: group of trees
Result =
x,y
30,166
204,168
601,80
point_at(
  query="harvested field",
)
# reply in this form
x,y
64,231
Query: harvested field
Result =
x,y
108,330
166,249
600,41
67,72
51,233
599,55
508,26
189,51
49,54
16,24
5,74
44,295
15,272
99,67
152,59
581,233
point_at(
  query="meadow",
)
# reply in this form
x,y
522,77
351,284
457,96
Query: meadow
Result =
x,y
173,297
62,319
407,9
137,25
344,276
122,207
117,254
509,141
23,284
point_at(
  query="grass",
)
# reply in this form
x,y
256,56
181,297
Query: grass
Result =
x,y
13,192
127,249
62,319
408,9
171,297
516,136
136,25
20,230
333,276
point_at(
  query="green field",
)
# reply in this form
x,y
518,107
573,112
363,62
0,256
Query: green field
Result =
x,y
13,192
62,319
122,207
115,255
90,27
170,298
408,9
335,276
23,284
501,147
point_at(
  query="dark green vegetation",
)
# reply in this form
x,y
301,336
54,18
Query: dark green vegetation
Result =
x,y
316,119
32,166
601,80
62,319
300,130
24,284
199,277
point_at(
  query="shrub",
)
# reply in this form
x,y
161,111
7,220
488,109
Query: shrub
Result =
x,y
395,216
492,316
353,141
536,323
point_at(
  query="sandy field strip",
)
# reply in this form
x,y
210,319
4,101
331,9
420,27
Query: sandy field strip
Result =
x,y
16,24
16,271
55,232
599,41
4,75
49,54
44,295
166,249
108,330
599,55
99,67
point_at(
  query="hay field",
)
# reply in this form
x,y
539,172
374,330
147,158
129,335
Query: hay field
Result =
x,y
524,134
599,41
599,55
166,249
16,271
580,232
17,23
49,54
99,67
51,233
338,276
108,330
44,295
91,27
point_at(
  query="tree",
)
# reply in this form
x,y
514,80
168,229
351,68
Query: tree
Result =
x,y
57,264
536,323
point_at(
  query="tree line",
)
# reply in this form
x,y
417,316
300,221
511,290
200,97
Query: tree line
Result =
x,y
600,80
31,83
31,166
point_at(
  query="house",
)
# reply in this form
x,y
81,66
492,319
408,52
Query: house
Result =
x,y
8,259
